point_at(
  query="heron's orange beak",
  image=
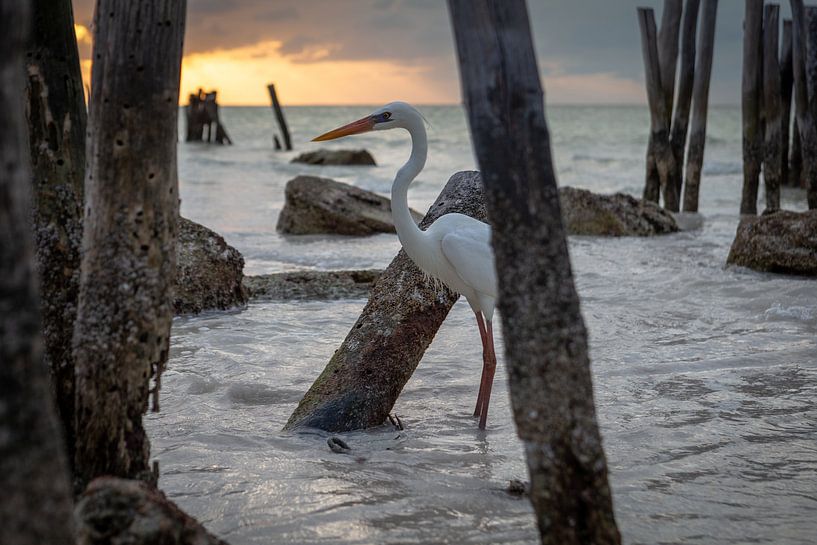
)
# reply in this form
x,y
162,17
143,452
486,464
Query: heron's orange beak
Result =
x,y
355,127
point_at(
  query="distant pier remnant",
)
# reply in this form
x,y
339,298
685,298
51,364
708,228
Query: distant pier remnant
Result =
x,y
752,104
773,109
282,123
804,60
202,113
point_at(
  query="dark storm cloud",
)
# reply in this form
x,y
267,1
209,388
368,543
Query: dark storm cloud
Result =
x,y
572,36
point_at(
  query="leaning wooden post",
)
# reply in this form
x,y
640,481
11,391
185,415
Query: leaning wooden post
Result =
x,y
751,104
786,81
55,108
802,61
279,115
658,148
680,119
36,505
545,337
700,106
129,240
772,101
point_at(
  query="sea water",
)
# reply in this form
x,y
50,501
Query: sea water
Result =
x,y
705,376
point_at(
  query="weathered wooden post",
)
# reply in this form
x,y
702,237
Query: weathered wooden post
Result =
x,y
700,106
213,118
279,115
36,506
772,102
55,107
195,121
659,153
129,241
686,76
804,62
751,104
786,81
545,337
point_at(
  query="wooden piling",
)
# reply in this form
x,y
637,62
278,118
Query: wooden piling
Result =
x,y
700,106
279,115
751,104
804,62
658,148
786,80
772,104
686,76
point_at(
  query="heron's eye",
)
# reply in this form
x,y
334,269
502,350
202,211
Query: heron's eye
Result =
x,y
386,115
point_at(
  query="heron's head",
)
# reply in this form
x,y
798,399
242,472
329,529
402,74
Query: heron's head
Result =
x,y
393,115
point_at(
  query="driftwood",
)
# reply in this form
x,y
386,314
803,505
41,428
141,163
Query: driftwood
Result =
x,y
129,241
751,104
57,121
279,115
366,374
659,154
786,81
700,106
773,107
36,504
545,337
686,77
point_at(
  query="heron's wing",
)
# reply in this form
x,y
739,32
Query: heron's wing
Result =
x,y
469,252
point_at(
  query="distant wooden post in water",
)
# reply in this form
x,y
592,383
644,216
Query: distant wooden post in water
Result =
x,y
700,106
772,103
804,59
786,81
202,113
751,104
279,115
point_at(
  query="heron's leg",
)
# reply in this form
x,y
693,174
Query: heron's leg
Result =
x,y
483,335
490,365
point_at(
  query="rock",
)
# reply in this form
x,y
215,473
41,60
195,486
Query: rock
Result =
x,y
361,382
587,213
782,242
122,511
210,272
322,206
336,157
307,285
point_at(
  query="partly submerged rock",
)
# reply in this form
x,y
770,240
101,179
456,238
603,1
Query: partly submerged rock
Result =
x,y
316,205
587,213
210,272
122,511
782,242
336,157
312,284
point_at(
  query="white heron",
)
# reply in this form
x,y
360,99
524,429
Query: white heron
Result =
x,y
456,249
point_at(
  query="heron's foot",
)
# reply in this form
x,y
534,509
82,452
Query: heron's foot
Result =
x,y
395,421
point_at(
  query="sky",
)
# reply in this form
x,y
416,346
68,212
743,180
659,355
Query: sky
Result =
x,y
376,51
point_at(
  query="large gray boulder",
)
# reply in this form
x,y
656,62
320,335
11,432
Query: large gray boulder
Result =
x,y
210,272
782,242
307,285
121,511
322,206
336,157
587,213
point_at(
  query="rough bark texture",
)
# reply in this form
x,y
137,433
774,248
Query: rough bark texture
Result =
x,y
336,157
680,119
804,62
773,106
751,104
782,242
786,81
279,115
315,205
55,108
129,239
697,137
308,285
361,383
209,271
545,338
36,503
122,512
659,153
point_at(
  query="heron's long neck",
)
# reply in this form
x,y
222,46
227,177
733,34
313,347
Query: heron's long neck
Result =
x,y
410,235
